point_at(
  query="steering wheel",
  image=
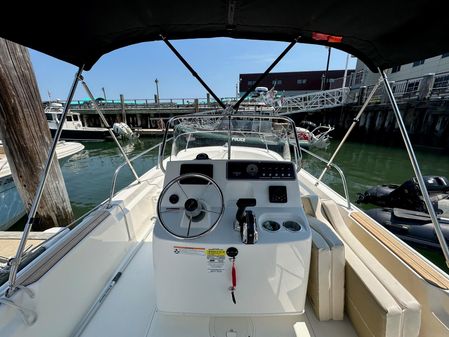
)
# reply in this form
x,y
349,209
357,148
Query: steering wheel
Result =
x,y
190,206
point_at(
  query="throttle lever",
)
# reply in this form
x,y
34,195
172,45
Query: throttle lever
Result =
x,y
242,204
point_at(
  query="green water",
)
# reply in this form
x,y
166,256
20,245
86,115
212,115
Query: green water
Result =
x,y
88,174
366,165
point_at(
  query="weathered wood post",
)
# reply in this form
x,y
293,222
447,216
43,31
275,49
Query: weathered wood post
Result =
x,y
122,105
196,105
26,137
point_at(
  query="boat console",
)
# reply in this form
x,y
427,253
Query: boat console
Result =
x,y
231,239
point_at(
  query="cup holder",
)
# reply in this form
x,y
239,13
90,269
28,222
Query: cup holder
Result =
x,y
271,226
292,226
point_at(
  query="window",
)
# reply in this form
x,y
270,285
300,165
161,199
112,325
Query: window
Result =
x,y
75,118
250,83
274,82
49,117
396,69
412,86
359,77
69,118
441,81
418,63
301,81
444,55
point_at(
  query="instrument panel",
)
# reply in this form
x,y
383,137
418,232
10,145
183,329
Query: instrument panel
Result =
x,y
260,170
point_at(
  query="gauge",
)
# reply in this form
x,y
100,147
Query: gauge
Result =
x,y
252,169
292,226
271,226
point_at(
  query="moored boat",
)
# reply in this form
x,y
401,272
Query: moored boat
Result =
x,y
11,205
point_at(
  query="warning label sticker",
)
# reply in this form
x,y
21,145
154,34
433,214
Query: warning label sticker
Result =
x,y
215,260
189,250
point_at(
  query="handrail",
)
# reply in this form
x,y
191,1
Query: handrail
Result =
x,y
342,176
229,131
118,169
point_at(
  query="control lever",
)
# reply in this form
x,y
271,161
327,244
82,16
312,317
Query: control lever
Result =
x,y
249,232
245,221
240,216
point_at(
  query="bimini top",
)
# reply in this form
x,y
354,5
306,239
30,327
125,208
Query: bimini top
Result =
x,y
380,33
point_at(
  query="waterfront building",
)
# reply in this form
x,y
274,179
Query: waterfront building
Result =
x,y
298,82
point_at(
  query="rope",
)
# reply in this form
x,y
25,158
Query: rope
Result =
x,y
29,316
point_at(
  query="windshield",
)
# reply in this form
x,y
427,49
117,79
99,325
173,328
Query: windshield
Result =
x,y
272,133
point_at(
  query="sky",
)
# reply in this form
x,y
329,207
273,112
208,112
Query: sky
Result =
x,y
132,70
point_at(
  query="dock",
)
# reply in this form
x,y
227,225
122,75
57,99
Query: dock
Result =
x,y
9,241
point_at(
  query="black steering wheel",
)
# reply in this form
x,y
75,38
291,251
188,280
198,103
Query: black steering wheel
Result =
x,y
190,206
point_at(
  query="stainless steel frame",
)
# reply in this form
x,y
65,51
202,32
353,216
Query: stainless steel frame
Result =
x,y
117,171
106,124
174,119
15,262
416,169
356,120
340,172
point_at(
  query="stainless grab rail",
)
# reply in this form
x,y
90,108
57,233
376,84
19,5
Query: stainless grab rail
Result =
x,y
229,131
342,176
118,169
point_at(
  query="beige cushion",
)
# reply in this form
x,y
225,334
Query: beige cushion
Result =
x,y
318,288
330,257
410,307
371,308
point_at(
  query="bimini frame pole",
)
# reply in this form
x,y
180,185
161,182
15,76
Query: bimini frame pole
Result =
x,y
235,107
106,124
15,262
416,168
355,121
192,71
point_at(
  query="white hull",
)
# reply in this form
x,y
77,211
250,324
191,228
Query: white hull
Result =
x,y
118,241
11,205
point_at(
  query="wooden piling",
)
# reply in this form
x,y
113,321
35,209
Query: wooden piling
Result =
x,y
26,137
122,105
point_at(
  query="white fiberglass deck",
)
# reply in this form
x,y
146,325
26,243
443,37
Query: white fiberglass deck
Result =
x,y
130,310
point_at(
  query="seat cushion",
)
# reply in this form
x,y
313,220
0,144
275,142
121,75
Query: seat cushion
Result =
x,y
330,257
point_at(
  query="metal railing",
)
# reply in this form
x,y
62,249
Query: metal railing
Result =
x,y
340,172
139,103
312,101
230,130
119,168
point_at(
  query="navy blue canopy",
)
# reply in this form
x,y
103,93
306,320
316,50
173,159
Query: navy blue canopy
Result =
x,y
380,33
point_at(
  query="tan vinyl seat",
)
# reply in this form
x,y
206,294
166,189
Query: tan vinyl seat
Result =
x,y
327,272
366,275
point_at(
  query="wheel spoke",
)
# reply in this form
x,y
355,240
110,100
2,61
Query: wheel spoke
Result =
x,y
210,211
172,209
188,229
182,190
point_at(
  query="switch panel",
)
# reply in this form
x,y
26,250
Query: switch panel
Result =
x,y
277,194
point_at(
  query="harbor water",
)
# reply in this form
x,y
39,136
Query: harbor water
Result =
x,y
89,174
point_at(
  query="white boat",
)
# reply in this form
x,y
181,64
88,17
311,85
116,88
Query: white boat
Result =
x,y
227,240
11,205
314,137
73,127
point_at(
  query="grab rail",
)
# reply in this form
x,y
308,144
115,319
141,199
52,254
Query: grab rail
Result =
x,y
118,169
230,130
342,176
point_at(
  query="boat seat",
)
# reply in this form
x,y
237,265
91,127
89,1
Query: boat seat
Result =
x,y
326,276
374,313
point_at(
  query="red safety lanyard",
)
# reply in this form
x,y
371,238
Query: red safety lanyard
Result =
x,y
234,280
